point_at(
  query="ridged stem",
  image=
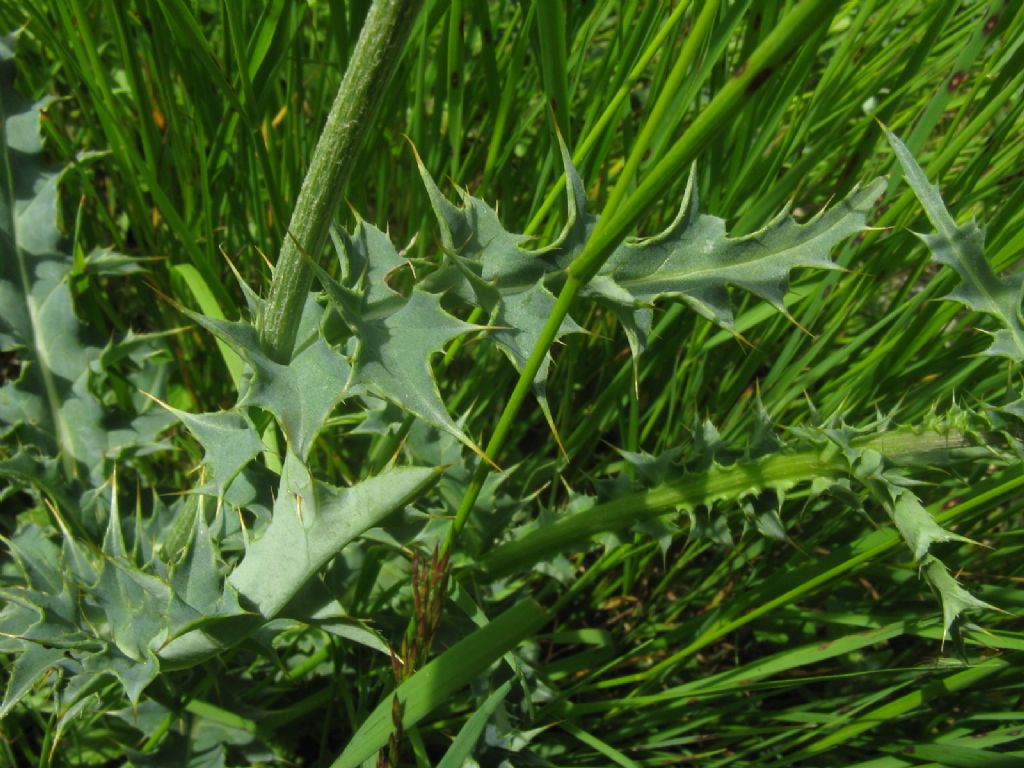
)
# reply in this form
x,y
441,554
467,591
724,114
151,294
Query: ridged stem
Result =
x,y
374,60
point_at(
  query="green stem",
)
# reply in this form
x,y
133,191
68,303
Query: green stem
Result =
x,y
359,96
612,229
515,402
780,470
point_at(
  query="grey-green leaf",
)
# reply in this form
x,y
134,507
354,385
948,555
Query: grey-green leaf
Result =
x,y
49,405
962,248
955,599
312,522
507,280
694,260
229,441
395,337
32,664
302,394
49,402
393,358
917,526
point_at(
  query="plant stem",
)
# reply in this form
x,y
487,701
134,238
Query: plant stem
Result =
x,y
780,470
374,60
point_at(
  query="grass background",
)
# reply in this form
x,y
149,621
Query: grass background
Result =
x,y
667,648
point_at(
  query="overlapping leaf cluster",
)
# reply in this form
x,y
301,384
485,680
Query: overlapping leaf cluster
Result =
x,y
886,485
692,260
720,488
111,609
173,597
50,408
85,610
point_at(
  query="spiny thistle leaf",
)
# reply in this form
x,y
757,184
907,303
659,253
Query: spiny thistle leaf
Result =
x,y
29,668
395,337
368,258
918,527
873,469
693,260
955,599
133,674
302,394
229,441
104,611
962,248
393,357
196,579
505,279
312,522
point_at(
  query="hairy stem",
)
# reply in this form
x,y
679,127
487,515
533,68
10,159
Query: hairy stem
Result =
x,y
359,96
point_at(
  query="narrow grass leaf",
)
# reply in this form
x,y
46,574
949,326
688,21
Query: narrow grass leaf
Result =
x,y
958,756
435,683
465,741
207,302
925,695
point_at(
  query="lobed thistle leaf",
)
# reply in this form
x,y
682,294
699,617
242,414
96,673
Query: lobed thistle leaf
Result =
x,y
196,578
98,613
693,260
311,522
229,441
878,473
507,281
955,599
31,666
392,359
962,248
395,337
368,258
300,395
917,527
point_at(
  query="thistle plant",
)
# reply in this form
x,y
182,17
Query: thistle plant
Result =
x,y
474,495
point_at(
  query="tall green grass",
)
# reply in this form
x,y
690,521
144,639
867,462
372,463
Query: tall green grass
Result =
x,y
772,623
